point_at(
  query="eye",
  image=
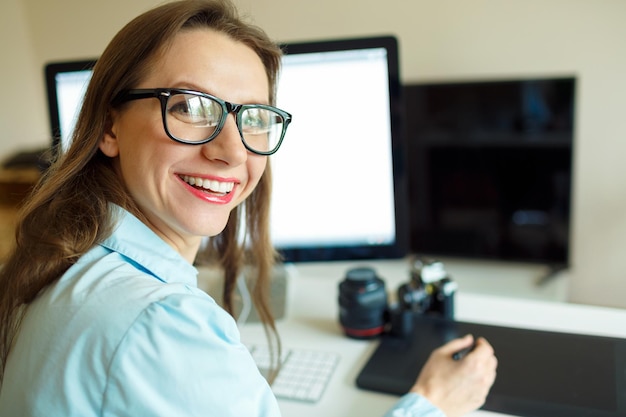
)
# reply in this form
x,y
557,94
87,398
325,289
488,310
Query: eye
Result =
x,y
257,121
195,110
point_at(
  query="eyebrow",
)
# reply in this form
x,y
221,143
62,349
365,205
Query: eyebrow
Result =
x,y
191,86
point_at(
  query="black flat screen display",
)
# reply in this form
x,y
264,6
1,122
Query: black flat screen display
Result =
x,y
490,168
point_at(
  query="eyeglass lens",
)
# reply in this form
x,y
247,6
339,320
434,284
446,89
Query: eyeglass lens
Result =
x,y
194,118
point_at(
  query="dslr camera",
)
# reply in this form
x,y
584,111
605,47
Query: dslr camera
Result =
x,y
364,310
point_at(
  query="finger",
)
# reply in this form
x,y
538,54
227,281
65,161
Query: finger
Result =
x,y
483,347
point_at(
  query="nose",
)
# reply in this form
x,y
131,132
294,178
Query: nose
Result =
x,y
227,146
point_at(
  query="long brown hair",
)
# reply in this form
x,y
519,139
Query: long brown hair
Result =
x,y
69,210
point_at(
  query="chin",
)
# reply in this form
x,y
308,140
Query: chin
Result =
x,y
212,229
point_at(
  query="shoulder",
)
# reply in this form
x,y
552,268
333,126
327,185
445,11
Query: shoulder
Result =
x,y
176,312
171,349
120,296
185,351
120,336
101,275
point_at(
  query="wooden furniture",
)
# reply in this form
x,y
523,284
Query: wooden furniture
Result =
x,y
15,184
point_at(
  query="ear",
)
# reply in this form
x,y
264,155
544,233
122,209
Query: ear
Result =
x,y
108,143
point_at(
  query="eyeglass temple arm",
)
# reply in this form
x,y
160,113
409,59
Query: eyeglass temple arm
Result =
x,y
137,94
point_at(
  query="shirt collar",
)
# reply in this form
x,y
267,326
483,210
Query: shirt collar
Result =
x,y
137,242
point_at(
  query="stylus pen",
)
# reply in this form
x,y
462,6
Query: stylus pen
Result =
x,y
457,356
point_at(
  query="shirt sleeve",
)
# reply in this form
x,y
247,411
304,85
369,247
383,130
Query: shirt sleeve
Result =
x,y
414,405
183,357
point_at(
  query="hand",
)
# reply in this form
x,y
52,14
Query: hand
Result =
x,y
458,387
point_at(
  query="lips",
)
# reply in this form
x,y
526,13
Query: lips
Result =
x,y
220,187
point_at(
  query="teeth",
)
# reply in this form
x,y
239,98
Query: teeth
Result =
x,y
215,186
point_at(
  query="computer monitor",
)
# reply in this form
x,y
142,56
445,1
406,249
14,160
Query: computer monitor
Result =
x,y
492,168
338,179
66,83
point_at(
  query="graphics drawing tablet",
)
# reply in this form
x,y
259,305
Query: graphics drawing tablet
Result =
x,y
540,373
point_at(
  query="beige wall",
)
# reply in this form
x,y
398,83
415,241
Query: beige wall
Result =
x,y
440,39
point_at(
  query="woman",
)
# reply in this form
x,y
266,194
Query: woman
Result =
x,y
100,310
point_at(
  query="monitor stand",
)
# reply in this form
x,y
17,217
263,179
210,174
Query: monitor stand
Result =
x,y
553,272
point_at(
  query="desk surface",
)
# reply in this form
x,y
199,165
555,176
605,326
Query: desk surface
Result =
x,y
311,322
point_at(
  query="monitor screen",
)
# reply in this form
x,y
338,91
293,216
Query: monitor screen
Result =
x,y
337,179
66,83
492,168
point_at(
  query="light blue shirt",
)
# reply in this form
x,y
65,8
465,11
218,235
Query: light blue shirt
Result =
x,y
126,332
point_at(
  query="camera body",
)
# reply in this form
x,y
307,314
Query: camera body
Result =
x,y
430,290
364,310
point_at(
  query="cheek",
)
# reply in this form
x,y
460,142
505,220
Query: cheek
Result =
x,y
256,167
144,154
143,138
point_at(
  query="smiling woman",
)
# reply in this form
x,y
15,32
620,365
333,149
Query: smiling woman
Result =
x,y
120,200
100,312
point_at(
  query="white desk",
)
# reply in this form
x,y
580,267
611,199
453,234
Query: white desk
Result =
x,y
312,323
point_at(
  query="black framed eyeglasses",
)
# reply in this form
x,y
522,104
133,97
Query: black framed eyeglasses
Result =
x,y
194,118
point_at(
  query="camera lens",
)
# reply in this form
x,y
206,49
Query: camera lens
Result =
x,y
362,303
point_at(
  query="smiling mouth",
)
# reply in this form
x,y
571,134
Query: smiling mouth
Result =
x,y
209,185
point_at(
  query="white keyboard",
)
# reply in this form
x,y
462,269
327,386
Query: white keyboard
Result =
x,y
304,374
